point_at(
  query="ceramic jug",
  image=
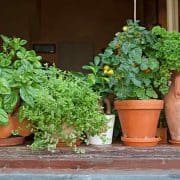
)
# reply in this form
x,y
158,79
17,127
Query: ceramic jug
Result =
x,y
172,107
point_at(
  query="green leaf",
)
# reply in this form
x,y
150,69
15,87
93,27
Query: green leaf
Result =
x,y
126,47
153,64
20,55
5,61
143,66
136,55
26,93
5,39
91,79
108,52
140,92
136,82
39,58
151,93
146,81
23,42
4,86
96,60
3,117
10,102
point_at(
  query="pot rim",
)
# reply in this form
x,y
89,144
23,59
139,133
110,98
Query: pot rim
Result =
x,y
139,104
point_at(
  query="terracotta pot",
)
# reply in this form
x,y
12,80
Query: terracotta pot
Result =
x,y
67,130
140,142
5,131
172,108
24,128
139,118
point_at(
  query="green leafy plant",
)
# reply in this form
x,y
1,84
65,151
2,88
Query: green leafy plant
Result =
x,y
167,47
129,64
19,75
64,108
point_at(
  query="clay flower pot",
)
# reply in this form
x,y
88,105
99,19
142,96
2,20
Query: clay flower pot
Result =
x,y
172,109
5,131
67,130
5,134
139,120
24,128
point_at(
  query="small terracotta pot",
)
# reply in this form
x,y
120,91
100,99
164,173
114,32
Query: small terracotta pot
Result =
x,y
139,118
67,130
172,108
5,131
24,128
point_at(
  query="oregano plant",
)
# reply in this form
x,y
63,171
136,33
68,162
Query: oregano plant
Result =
x,y
64,108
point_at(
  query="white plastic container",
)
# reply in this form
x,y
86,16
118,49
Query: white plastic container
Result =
x,y
106,137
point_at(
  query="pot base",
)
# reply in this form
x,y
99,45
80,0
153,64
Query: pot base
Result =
x,y
63,144
175,143
11,141
140,142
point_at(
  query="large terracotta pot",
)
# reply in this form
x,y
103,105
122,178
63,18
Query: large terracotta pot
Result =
x,y
5,131
139,120
172,108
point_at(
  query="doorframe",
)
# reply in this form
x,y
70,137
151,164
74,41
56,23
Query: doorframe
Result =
x,y
172,15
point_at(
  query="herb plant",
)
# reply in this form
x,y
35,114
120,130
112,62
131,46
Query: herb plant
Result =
x,y
64,109
19,69
167,48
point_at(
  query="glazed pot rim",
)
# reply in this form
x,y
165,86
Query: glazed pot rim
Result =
x,y
139,104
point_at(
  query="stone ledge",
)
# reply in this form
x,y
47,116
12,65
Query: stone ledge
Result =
x,y
112,157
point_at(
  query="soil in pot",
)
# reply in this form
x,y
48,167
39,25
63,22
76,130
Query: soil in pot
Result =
x,y
139,119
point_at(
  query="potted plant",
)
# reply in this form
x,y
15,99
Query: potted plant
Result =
x,y
64,109
99,80
18,69
132,59
167,49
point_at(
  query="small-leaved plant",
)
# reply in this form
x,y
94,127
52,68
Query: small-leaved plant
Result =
x,y
64,109
167,48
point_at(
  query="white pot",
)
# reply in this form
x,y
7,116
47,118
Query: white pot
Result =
x,y
106,137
